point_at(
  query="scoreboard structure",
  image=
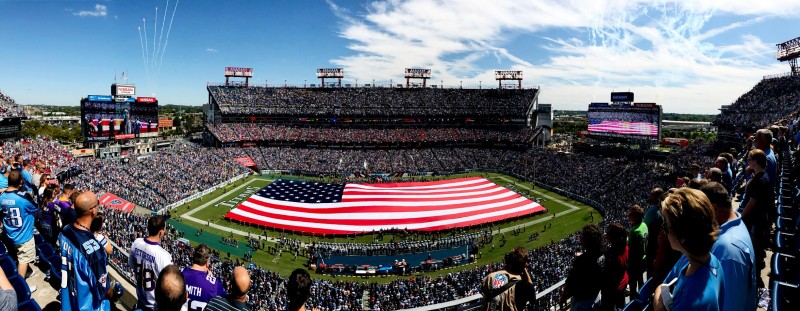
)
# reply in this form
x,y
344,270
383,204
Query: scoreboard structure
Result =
x,y
238,72
330,73
417,73
503,75
623,118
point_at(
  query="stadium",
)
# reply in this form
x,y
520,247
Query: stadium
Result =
x,y
402,196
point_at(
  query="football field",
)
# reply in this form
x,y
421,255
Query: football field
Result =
x,y
563,218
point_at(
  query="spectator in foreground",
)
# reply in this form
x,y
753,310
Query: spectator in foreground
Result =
x,y
170,291
84,285
615,276
237,296
201,284
97,230
147,259
757,206
8,297
298,289
695,282
733,250
652,219
18,210
582,284
511,288
637,247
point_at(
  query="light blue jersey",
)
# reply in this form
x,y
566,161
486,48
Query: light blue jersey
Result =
x,y
18,215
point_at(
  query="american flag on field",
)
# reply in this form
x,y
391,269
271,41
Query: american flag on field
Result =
x,y
322,208
621,127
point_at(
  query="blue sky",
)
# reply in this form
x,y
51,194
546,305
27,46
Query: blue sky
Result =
x,y
689,56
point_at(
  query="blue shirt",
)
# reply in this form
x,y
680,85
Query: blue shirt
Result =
x,y
3,181
84,276
736,255
703,290
18,210
26,175
727,179
202,287
772,167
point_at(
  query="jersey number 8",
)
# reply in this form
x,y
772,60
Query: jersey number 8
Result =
x,y
145,277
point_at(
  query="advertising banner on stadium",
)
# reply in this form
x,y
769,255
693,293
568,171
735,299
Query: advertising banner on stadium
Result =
x,y
246,161
105,119
123,89
112,201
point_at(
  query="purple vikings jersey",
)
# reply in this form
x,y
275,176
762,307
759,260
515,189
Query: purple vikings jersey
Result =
x,y
202,287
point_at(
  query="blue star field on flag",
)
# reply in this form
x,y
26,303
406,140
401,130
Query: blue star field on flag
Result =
x,y
303,191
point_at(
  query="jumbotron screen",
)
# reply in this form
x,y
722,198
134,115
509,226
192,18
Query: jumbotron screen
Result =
x,y
639,120
106,118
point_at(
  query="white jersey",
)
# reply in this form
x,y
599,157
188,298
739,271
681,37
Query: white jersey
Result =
x,y
147,259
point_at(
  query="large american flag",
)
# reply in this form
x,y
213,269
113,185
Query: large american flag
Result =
x,y
321,208
622,127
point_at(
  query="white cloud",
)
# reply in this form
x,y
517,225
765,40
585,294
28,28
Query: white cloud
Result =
x,y
99,10
658,49
210,50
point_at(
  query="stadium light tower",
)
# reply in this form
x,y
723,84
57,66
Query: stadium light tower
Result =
x,y
789,51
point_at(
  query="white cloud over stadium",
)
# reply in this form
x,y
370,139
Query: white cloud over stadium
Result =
x,y
690,56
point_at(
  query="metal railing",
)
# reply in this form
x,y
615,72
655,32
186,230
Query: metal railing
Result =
x,y
780,75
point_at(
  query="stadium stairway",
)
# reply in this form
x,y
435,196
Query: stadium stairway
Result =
x,y
365,300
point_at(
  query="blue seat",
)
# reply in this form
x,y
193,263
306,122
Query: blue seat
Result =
x,y
39,239
787,243
784,296
8,265
787,223
21,287
784,268
29,305
645,294
634,305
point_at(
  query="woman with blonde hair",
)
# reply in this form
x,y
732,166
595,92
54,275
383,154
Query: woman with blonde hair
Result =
x,y
695,282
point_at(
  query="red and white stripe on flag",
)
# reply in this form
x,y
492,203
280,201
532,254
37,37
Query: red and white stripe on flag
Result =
x,y
425,206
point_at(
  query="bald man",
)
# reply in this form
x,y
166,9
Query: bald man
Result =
x,y
237,297
171,292
83,260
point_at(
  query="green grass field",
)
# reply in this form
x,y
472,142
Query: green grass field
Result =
x,y
562,225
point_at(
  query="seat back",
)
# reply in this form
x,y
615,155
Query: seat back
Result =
x,y
8,265
21,287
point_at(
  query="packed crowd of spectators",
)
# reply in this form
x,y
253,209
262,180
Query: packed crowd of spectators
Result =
x,y
235,132
371,101
768,101
9,107
161,178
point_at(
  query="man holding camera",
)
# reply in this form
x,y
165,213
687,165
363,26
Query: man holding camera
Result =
x,y
510,289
